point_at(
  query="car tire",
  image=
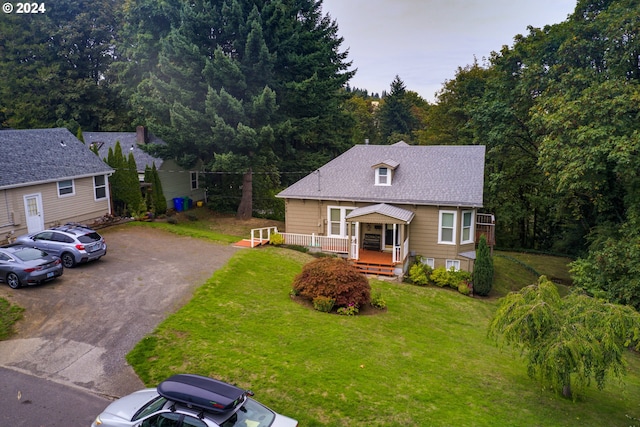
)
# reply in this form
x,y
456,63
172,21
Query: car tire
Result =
x,y
68,260
13,281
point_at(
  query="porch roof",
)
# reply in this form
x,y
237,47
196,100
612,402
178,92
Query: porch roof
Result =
x,y
393,212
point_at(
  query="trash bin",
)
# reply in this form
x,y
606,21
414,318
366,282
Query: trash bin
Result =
x,y
178,204
187,204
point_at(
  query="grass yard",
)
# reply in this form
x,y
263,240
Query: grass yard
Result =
x,y
424,361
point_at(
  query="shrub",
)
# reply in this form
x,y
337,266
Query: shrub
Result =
x,y
377,301
464,288
483,269
333,278
350,310
420,273
323,304
276,239
441,277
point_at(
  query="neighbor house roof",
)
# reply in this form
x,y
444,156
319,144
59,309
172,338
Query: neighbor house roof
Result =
x,y
128,143
36,156
451,175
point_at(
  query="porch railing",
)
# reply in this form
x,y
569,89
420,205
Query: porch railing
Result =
x,y
324,243
259,235
486,225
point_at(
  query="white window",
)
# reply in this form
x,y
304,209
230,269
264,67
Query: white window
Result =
x,y
453,263
194,180
447,227
431,262
65,188
100,187
466,235
383,176
337,220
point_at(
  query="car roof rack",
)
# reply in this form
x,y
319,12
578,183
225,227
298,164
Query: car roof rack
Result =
x,y
202,392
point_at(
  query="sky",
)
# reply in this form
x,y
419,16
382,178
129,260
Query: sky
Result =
x,y
425,41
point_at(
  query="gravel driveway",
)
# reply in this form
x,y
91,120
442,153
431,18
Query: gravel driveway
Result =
x,y
77,329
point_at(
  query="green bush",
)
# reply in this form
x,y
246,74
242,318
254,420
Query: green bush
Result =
x,y
377,301
349,310
420,273
276,239
464,288
441,277
333,278
483,269
323,304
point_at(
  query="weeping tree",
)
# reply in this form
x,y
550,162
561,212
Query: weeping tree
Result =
x,y
566,341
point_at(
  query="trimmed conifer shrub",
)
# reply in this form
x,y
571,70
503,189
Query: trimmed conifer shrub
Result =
x,y
333,278
483,269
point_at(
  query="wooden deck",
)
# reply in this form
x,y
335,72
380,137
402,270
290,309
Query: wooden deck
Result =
x,y
375,262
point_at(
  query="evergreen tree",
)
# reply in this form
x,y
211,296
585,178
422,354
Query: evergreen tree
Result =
x,y
132,196
483,269
156,201
263,89
397,121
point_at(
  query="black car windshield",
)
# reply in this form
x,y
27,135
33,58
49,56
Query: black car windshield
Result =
x,y
89,238
29,254
252,414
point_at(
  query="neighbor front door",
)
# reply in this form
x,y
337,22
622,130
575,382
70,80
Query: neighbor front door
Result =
x,y
33,212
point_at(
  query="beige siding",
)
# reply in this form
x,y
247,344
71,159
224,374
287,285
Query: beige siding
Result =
x,y
80,206
310,216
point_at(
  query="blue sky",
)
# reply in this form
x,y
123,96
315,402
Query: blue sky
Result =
x,y
425,41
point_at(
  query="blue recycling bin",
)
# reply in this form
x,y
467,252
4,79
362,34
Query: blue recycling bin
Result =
x,y
178,204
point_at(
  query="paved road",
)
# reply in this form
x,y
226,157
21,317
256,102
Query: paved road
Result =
x,y
28,401
78,328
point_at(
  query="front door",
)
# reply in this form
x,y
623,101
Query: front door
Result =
x,y
33,212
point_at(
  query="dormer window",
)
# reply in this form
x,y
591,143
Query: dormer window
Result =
x,y
383,176
384,172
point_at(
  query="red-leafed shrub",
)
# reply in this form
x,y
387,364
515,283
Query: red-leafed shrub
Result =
x,y
333,278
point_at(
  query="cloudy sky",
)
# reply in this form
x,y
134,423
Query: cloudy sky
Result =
x,y
425,41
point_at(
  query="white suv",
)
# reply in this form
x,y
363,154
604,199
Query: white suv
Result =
x,y
73,243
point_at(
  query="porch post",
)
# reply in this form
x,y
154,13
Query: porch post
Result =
x,y
394,245
355,250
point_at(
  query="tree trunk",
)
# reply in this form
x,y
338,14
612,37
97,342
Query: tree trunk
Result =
x,y
566,391
245,209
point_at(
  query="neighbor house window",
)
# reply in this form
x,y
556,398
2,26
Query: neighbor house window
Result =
x,y
337,222
447,229
453,263
194,180
65,188
100,187
383,176
466,234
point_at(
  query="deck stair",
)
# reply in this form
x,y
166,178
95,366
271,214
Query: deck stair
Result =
x,y
374,268
248,243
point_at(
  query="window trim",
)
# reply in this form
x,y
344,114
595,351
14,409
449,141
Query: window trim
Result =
x,y
194,180
388,176
471,227
343,220
72,186
103,186
453,227
431,262
455,263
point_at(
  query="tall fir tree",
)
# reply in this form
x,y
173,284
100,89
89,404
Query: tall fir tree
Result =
x,y
483,269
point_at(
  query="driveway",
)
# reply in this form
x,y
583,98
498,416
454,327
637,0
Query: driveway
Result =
x,y
77,329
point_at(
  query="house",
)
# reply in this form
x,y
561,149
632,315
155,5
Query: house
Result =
x,y
379,205
49,177
177,183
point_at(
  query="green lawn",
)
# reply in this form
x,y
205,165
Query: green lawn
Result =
x,y
424,361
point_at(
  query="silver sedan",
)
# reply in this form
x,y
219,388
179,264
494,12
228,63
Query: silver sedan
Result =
x,y
22,265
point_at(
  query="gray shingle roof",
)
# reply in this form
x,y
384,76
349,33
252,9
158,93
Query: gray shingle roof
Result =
x,y
127,141
383,209
451,175
45,155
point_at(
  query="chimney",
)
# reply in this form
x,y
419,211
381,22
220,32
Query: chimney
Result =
x,y
142,136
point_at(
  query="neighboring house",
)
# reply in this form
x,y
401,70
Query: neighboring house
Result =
x,y
176,181
49,177
381,204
